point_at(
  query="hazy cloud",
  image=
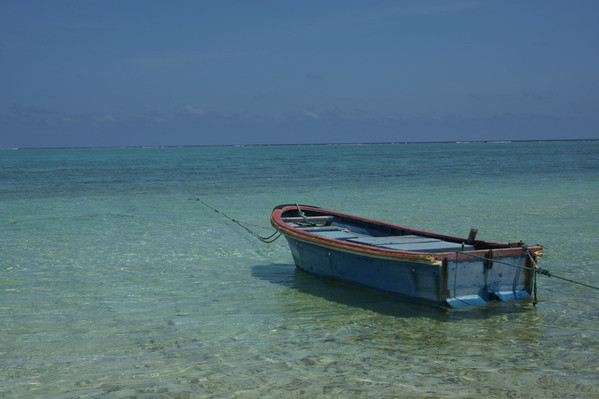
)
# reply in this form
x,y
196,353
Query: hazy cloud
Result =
x,y
311,114
194,110
102,120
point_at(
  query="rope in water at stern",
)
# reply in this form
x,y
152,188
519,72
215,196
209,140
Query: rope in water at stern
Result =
x,y
271,238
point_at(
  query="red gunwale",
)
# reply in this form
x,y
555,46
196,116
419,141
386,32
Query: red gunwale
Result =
x,y
499,249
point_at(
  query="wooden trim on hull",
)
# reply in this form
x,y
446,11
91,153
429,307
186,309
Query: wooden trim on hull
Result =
x,y
354,248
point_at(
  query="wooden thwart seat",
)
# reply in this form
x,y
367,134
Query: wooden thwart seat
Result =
x,y
412,243
309,220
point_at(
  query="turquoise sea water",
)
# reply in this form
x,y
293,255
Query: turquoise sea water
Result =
x,y
116,282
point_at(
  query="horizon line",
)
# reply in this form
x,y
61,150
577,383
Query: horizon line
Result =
x,y
294,144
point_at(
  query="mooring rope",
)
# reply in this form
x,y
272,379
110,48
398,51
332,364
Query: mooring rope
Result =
x,y
303,215
271,238
536,268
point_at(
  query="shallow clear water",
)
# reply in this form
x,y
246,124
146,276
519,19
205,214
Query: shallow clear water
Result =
x,y
115,281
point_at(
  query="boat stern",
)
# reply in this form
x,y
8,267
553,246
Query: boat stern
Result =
x,y
474,280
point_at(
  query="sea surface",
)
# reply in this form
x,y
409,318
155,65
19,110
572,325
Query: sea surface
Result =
x,y
116,282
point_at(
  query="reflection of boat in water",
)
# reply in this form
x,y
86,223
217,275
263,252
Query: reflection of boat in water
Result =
x,y
405,262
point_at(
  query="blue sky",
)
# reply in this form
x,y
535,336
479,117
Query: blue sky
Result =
x,y
119,73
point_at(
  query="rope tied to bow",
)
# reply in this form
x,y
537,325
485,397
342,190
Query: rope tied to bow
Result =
x,y
271,238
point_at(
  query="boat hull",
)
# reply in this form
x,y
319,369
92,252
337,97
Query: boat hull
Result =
x,y
454,283
457,279
393,278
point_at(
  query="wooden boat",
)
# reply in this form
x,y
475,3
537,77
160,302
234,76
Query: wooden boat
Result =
x,y
404,262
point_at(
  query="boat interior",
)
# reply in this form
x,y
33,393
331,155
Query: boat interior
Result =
x,y
367,233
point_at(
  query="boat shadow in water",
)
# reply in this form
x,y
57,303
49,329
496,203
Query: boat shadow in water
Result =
x,y
289,276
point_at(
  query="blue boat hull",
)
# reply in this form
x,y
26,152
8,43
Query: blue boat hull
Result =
x,y
457,284
398,279
406,263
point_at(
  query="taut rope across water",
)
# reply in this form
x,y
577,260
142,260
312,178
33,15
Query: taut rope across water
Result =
x,y
271,238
